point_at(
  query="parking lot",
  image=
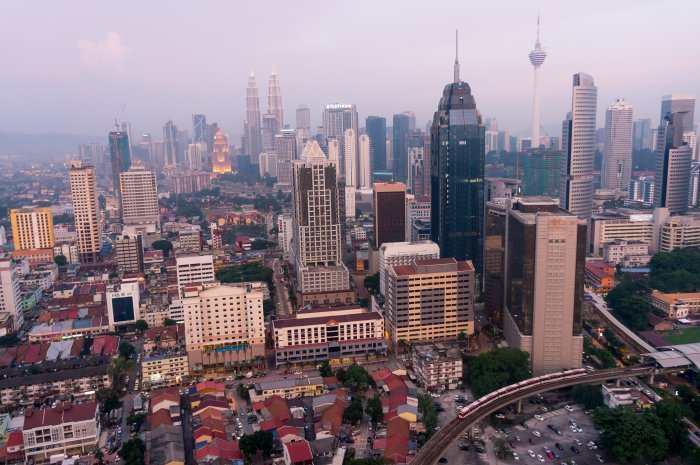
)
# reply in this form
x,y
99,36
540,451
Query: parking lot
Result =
x,y
560,420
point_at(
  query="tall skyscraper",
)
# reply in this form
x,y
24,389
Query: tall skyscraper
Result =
x,y
617,152
376,131
269,131
253,136
578,148
400,131
220,160
11,272
303,117
349,157
170,140
32,228
139,201
286,154
86,211
389,212
196,156
317,245
337,117
642,134
537,57
119,155
364,169
199,128
274,99
673,159
543,286
679,103
457,174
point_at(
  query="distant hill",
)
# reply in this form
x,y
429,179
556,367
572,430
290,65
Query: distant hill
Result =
x,y
43,146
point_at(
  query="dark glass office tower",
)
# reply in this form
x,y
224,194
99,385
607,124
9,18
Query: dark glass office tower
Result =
x,y
457,149
376,131
120,156
400,132
199,127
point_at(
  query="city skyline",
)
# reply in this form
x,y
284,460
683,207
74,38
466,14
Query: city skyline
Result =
x,y
99,67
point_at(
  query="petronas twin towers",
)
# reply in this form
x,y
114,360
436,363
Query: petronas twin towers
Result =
x,y
253,133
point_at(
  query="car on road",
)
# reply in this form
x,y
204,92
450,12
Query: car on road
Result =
x,y
600,459
550,456
539,417
500,416
545,409
442,460
435,394
463,446
536,433
575,450
578,443
569,408
515,456
530,453
524,424
559,446
540,458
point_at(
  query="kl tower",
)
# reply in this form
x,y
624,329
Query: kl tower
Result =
x,y
537,57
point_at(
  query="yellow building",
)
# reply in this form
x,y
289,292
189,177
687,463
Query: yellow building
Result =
x,y
221,162
32,228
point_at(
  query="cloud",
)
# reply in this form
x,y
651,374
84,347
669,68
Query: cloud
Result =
x,y
110,53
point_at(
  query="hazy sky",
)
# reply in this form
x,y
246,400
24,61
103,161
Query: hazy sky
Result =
x,y
71,66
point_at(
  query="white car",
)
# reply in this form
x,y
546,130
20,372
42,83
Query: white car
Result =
x,y
573,428
536,433
500,416
435,394
569,408
578,443
515,456
530,453
600,459
539,417
540,458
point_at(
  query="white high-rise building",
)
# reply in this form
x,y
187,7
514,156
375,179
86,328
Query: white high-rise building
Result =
x,y
196,156
578,152
337,117
286,146
402,253
194,268
316,219
673,160
11,316
268,164
139,197
223,324
350,157
365,163
274,99
88,225
617,154
537,57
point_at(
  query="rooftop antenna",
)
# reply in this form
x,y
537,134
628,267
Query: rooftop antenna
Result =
x,y
457,56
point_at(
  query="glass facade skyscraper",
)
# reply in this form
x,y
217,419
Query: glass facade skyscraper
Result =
x,y
400,132
120,156
457,150
376,130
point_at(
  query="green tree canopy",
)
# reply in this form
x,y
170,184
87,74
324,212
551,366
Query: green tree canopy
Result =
x,y
374,409
243,391
141,325
676,271
426,406
60,260
356,378
169,322
126,350
588,395
244,273
132,452
493,370
631,436
353,412
325,369
371,283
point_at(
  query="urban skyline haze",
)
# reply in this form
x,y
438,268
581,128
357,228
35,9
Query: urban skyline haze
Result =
x,y
81,65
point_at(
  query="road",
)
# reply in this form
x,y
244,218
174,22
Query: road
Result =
x,y
431,451
283,305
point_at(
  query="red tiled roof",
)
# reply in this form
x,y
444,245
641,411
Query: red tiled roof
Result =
x,y
15,439
268,425
161,417
63,413
299,451
283,431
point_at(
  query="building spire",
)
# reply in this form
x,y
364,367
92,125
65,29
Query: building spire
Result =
x,y
456,56
538,28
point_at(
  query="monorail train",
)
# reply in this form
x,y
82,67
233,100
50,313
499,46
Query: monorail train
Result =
x,y
513,387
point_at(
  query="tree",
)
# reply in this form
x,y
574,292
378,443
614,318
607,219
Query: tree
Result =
x,y
325,369
631,436
676,271
247,445
260,244
136,418
357,378
99,455
169,322
374,409
353,412
427,407
60,260
132,452
242,391
165,245
126,350
141,325
119,368
371,283
246,272
9,340
263,442
588,395
108,399
498,368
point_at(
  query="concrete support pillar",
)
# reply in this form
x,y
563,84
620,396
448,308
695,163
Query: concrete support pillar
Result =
x,y
650,380
519,406
617,382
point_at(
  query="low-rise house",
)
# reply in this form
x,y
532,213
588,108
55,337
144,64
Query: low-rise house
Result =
x,y
297,453
677,305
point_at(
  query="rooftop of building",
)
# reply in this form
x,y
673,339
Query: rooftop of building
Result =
x,y
437,351
288,383
328,320
676,298
433,265
64,412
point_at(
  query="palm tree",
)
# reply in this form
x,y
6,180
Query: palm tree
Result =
x,y
120,366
